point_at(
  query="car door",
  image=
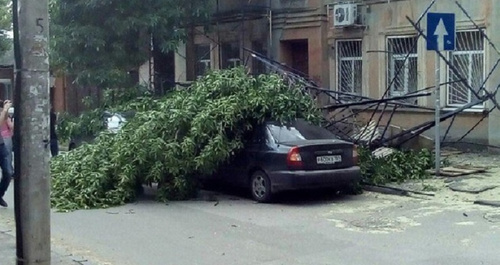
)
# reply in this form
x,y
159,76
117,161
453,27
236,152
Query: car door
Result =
x,y
237,170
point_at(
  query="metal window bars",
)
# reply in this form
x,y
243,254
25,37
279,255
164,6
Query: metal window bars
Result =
x,y
349,66
469,61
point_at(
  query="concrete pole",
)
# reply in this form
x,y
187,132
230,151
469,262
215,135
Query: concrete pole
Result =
x,y
32,191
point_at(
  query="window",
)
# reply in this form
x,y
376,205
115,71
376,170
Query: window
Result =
x,y
202,59
402,65
298,130
255,136
468,59
349,66
230,55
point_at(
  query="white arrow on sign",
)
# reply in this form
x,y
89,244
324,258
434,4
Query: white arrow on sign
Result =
x,y
440,32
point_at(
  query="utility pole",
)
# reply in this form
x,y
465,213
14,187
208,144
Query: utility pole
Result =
x,y
31,104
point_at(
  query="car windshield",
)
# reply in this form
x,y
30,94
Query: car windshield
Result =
x,y
128,114
298,130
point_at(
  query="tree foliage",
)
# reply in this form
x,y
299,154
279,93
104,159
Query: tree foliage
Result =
x,y
102,40
89,123
173,140
5,26
399,166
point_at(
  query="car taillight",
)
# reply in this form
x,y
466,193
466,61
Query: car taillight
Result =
x,y
355,155
293,158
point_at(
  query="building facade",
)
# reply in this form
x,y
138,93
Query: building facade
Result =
x,y
7,76
292,32
386,54
376,53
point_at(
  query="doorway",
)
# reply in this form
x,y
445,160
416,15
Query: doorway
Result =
x,y
295,54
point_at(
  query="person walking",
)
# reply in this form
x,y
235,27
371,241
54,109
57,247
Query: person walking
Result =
x,y
7,131
7,169
54,143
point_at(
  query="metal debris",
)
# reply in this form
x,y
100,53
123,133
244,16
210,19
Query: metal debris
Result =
x,y
456,171
383,152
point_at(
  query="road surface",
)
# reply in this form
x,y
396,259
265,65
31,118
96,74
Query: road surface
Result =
x,y
301,228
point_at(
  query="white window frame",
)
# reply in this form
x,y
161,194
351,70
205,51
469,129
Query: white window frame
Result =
x,y
406,73
391,71
469,73
230,61
207,65
235,62
352,60
206,62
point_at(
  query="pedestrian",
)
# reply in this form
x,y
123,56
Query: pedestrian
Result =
x,y
7,131
7,170
54,143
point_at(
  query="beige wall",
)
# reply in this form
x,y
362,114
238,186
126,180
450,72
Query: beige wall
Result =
x,y
308,23
388,18
409,119
290,21
384,19
145,74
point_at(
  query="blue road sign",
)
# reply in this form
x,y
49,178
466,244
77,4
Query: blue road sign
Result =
x,y
440,31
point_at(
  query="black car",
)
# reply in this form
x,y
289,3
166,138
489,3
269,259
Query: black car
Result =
x,y
294,156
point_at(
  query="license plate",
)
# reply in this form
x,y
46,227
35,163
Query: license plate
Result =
x,y
328,159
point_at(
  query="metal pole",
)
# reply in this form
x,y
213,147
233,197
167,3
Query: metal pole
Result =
x,y
437,132
32,196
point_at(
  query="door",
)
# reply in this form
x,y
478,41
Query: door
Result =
x,y
239,166
295,54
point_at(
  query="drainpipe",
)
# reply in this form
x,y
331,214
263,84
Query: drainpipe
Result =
x,y
242,36
219,49
270,49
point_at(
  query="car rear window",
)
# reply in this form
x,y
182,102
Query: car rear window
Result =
x,y
128,114
299,130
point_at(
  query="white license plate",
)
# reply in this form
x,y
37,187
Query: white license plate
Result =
x,y
329,159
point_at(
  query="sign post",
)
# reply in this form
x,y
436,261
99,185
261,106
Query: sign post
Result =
x,y
440,37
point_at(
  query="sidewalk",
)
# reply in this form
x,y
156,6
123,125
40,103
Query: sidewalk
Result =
x,y
8,252
482,188
8,239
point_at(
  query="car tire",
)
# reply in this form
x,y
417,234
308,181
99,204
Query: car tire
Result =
x,y
352,189
260,187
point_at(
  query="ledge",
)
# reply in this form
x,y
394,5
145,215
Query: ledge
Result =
x,y
474,111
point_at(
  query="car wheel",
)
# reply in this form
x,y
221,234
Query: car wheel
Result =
x,y
352,189
260,186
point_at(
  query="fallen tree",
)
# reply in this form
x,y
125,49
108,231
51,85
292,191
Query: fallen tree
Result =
x,y
173,140
397,167
179,137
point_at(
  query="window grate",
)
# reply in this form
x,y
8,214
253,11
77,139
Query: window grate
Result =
x,y
349,66
402,69
468,59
